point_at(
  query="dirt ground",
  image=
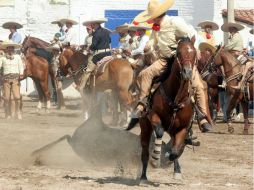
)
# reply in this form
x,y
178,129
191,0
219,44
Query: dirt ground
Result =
x,y
109,158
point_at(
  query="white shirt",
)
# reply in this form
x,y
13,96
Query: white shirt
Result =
x,y
12,66
142,44
70,37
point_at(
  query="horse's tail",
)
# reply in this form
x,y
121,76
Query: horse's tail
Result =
x,y
132,123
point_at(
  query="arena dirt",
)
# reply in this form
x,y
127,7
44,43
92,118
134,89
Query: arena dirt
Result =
x,y
99,157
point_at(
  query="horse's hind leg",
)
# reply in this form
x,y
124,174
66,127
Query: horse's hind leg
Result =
x,y
245,107
52,80
146,131
233,101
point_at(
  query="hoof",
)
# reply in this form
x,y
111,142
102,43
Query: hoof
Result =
x,y
155,163
178,176
38,110
47,111
245,132
144,182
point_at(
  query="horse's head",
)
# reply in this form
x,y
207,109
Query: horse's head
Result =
x,y
26,44
64,60
186,57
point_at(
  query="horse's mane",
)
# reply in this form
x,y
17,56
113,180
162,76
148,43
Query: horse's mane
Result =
x,y
38,39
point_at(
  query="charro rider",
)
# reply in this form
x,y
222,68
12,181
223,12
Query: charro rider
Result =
x,y
143,40
99,48
207,33
12,71
235,46
166,31
60,35
71,38
14,36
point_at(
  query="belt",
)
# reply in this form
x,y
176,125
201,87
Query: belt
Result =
x,y
101,51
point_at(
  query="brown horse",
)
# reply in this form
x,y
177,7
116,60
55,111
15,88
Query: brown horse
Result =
x,y
233,71
170,109
37,67
210,76
117,76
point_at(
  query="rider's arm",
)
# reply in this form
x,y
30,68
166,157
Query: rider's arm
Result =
x,y
182,28
141,47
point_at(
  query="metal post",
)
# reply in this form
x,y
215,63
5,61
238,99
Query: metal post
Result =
x,y
230,16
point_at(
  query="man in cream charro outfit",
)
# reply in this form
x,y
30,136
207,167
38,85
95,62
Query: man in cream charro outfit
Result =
x,y
166,31
207,33
12,71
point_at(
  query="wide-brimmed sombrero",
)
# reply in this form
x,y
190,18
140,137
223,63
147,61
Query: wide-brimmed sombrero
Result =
x,y
140,26
212,24
252,31
95,20
68,20
9,43
154,9
9,25
225,27
122,28
204,46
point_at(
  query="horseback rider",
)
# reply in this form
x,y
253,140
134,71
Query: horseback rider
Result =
x,y
166,32
207,34
235,46
122,30
139,50
71,38
12,71
61,32
99,48
235,40
14,36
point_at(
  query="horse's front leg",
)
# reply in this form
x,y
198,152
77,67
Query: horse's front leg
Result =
x,y
245,107
177,170
159,131
146,131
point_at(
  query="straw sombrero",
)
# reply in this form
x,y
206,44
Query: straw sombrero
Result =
x,y
154,9
68,20
225,27
209,23
9,25
252,31
95,20
9,43
140,26
122,28
204,45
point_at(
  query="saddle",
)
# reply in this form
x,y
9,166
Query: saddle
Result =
x,y
102,64
44,54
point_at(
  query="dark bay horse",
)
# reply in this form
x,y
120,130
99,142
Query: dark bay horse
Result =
x,y
37,67
233,71
170,110
117,76
210,76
